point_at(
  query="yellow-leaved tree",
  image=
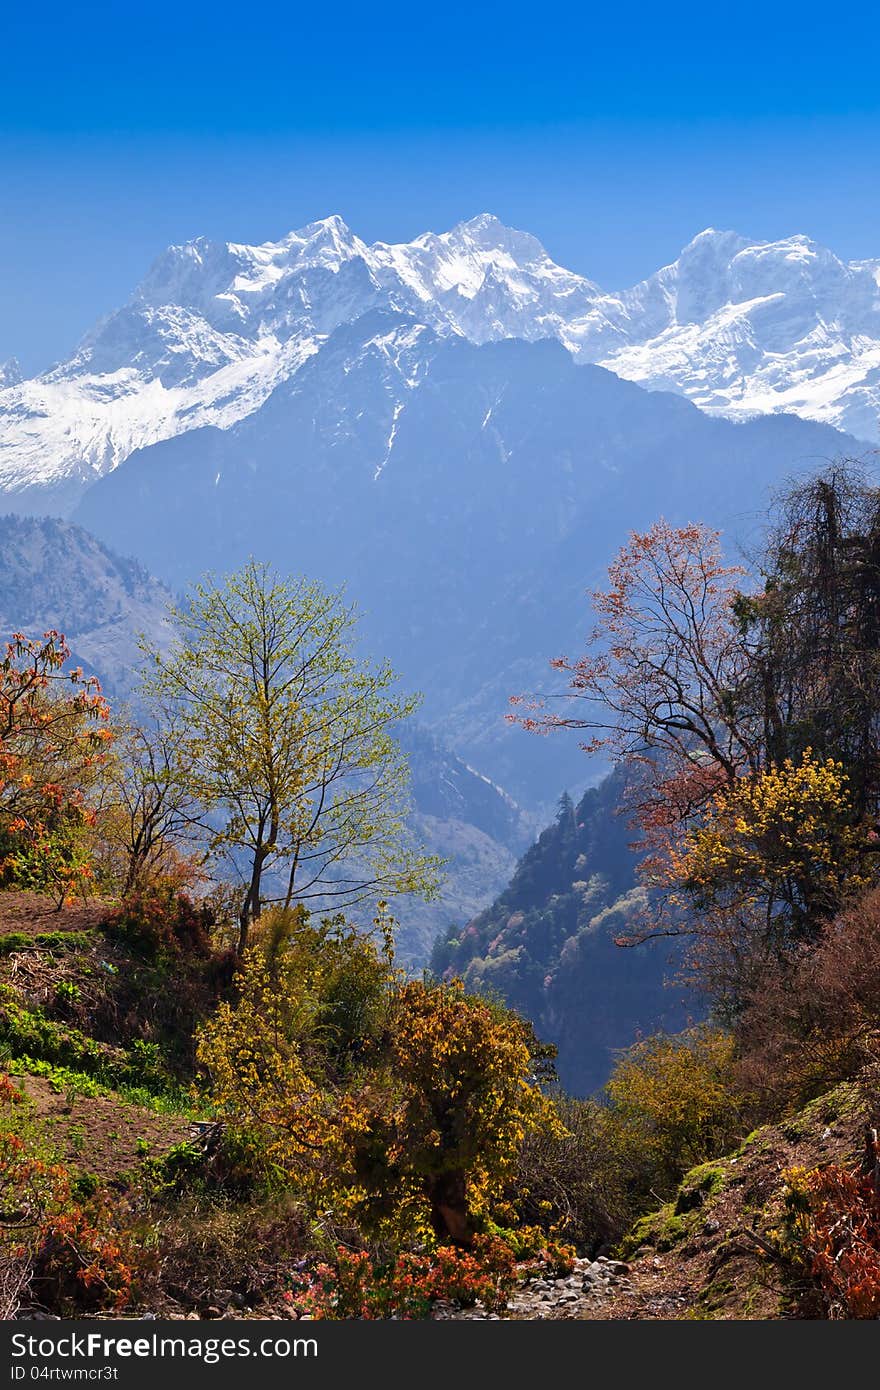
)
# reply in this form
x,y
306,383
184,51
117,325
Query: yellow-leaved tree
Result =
x,y
674,1100
402,1105
783,843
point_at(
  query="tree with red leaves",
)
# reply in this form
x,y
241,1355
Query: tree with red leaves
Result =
x,y
665,685
699,682
53,744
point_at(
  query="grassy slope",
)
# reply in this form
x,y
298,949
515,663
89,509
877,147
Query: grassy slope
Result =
x,y
214,1255
692,1258
696,1257
86,1123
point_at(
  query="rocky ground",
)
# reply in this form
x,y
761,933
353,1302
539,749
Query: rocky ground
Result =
x,y
592,1284
588,1292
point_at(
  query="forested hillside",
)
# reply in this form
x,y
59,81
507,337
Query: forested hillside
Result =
x,y
223,1095
547,945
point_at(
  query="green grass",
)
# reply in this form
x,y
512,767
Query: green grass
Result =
x,y
660,1229
30,1033
66,1081
46,941
63,1080
173,1101
675,1220
696,1186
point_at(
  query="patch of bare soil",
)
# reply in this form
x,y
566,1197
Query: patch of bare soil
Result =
x,y
33,914
101,1134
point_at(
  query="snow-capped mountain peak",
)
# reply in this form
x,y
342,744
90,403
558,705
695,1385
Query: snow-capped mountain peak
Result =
x,y
485,233
10,372
747,327
738,325
200,273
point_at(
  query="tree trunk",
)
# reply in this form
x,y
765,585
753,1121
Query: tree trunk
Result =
x,y
450,1217
250,909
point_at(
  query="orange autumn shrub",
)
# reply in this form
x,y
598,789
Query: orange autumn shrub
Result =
x,y
356,1286
68,1252
53,746
833,1230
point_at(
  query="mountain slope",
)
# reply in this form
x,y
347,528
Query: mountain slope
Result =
x,y
466,496
215,326
713,1251
745,328
55,575
741,327
547,943
474,827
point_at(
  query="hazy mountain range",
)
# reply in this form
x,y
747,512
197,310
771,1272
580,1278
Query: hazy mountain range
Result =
x,y
55,575
420,422
468,525
427,425
740,327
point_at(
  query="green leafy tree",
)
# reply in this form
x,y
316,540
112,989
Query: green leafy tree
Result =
x,y
813,628
287,743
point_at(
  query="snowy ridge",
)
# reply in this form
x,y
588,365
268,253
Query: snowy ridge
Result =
x,y
740,327
749,328
10,372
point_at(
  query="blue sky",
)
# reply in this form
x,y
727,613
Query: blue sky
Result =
x,y
614,133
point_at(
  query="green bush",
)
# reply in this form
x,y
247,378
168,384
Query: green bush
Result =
x,y
59,864
181,1169
28,1034
14,941
61,1079
84,1186
676,1097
